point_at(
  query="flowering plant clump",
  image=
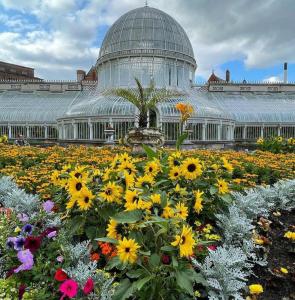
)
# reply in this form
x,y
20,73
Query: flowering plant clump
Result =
x,y
3,139
277,144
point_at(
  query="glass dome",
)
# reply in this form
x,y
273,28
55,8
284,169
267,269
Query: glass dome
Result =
x,y
146,28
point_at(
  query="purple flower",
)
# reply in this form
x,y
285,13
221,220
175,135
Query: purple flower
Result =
x,y
60,259
23,218
28,228
19,243
27,260
51,234
10,242
48,206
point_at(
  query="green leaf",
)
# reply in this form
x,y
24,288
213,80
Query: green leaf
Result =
x,y
181,139
136,273
140,283
124,291
114,262
128,216
77,225
164,199
161,231
147,253
184,282
107,240
155,260
149,152
226,198
168,248
213,190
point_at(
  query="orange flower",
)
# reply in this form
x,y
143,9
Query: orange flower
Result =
x,y
95,257
106,248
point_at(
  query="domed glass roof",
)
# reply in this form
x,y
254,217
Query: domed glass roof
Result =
x,y
146,28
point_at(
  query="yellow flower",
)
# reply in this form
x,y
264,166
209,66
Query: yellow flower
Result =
x,y
227,165
290,235
144,205
111,192
131,196
125,157
174,160
127,250
255,289
156,198
167,212
174,173
114,230
79,172
75,185
284,270
71,203
215,167
127,166
145,181
191,168
222,186
197,294
198,201
207,228
153,167
129,180
185,241
260,141
180,191
181,211
17,230
85,199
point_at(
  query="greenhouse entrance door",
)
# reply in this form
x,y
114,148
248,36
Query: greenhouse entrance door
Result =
x,y
153,119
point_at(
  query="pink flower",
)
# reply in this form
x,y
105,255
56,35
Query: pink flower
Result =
x,y
212,247
89,286
69,288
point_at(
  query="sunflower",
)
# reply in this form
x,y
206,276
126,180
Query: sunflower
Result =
x,y
174,160
228,166
153,167
179,191
56,180
96,176
144,205
111,192
125,157
145,181
67,168
127,250
85,199
75,185
79,172
131,196
174,173
198,203
191,168
129,180
156,198
71,203
167,212
127,166
185,241
114,229
222,186
181,211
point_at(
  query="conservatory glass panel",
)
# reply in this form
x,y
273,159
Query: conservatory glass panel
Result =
x,y
52,132
212,132
196,134
83,131
288,132
69,131
238,134
37,132
18,130
3,130
253,132
170,131
98,130
270,132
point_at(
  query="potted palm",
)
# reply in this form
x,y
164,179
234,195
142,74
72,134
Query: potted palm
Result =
x,y
145,99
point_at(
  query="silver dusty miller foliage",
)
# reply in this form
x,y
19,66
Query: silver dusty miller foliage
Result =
x,y
226,269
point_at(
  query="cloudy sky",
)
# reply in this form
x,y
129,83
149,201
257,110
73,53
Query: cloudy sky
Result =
x,y
56,37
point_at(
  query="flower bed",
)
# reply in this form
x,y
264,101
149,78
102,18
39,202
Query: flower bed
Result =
x,y
126,226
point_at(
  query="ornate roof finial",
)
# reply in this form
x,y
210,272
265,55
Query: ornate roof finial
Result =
x,y
146,3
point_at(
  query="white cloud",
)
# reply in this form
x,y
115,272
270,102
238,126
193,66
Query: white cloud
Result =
x,y
260,33
272,79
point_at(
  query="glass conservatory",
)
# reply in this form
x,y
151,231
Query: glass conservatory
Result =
x,y
148,44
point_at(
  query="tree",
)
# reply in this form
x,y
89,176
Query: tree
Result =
x,y
144,99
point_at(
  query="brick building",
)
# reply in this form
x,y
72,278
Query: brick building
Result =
x,y
15,72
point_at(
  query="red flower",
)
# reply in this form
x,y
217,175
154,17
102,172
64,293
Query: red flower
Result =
x,y
32,243
60,275
89,286
212,247
166,259
69,288
95,257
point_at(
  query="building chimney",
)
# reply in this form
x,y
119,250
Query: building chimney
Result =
x,y
80,75
285,72
227,76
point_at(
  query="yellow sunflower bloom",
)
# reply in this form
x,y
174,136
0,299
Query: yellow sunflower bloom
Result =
x,y
185,241
174,160
198,201
111,192
131,196
179,191
127,250
174,173
181,211
255,289
145,181
127,166
114,229
75,185
153,167
228,166
71,203
222,186
85,199
168,212
156,198
79,172
191,168
129,180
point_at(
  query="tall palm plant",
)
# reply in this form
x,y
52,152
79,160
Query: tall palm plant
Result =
x,y
144,99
